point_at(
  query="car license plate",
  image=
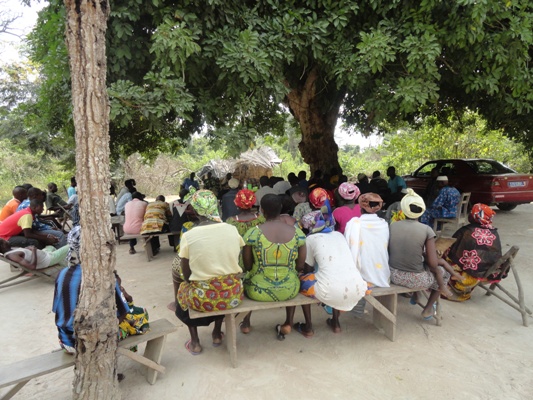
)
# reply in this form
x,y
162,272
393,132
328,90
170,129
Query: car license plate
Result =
x,y
516,184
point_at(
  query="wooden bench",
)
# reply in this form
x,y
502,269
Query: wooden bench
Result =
x,y
147,238
49,273
22,372
383,300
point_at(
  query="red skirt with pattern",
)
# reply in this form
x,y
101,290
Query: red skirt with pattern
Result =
x,y
217,294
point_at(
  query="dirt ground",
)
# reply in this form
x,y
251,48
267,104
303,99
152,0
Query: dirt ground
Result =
x,y
481,351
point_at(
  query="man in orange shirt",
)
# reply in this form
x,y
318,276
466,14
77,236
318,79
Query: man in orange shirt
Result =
x,y
19,194
17,228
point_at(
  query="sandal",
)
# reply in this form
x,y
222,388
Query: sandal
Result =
x,y
279,334
188,347
300,328
434,315
217,344
329,323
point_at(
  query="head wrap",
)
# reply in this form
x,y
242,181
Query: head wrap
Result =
x,y
233,183
188,196
365,199
412,198
205,204
74,244
319,220
245,199
482,214
318,197
349,191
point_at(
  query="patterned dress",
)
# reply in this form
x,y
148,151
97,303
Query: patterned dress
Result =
x,y
444,206
477,248
273,276
155,217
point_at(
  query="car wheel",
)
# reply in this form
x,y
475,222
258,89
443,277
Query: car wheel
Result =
x,y
506,206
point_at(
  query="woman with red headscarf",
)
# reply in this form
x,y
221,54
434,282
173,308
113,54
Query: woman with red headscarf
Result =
x,y
477,248
246,219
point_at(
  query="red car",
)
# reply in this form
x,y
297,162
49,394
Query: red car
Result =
x,y
489,181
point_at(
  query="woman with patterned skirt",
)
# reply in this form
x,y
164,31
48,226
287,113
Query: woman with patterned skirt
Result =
x,y
477,248
210,265
273,255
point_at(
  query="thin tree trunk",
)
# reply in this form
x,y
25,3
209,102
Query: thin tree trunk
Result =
x,y
95,320
317,114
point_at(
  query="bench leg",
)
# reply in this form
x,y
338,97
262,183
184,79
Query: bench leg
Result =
x,y
154,351
14,390
381,320
148,248
231,342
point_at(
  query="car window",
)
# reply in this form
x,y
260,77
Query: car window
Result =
x,y
426,169
488,167
448,169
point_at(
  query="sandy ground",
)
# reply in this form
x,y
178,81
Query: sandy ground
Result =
x,y
482,351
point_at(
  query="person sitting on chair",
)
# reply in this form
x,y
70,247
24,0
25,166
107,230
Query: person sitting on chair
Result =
x,y
33,258
445,205
53,200
19,195
18,230
477,248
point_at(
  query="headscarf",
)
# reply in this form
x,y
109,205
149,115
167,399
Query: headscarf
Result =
x,y
318,197
318,220
482,214
412,198
349,191
205,204
245,199
74,244
365,199
187,197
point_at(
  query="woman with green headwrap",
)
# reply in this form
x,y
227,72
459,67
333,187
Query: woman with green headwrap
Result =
x,y
210,264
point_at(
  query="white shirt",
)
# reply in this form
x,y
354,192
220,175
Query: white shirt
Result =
x,y
281,187
338,281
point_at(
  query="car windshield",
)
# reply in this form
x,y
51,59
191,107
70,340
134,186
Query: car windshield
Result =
x,y
489,167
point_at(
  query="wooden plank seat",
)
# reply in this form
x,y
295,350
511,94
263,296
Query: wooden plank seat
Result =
x,y
21,372
383,300
23,272
503,267
147,238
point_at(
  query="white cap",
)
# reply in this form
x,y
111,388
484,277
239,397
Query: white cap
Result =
x,y
442,178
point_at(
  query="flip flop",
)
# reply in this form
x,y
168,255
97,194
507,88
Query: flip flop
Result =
x,y
300,328
327,309
188,347
412,301
244,329
279,334
434,313
222,338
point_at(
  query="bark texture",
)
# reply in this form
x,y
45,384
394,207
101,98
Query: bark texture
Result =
x,y
95,321
316,109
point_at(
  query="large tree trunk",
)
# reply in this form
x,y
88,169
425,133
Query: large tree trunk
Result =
x,y
316,109
96,322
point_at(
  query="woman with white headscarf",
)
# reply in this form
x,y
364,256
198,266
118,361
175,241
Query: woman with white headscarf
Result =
x,y
412,254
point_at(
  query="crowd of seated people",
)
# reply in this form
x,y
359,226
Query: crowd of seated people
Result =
x,y
324,237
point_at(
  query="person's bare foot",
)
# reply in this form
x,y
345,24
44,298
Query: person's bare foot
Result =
x,y
193,348
217,338
335,326
429,312
244,326
445,291
285,329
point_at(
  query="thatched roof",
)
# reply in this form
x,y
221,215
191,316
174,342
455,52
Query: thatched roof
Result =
x,y
260,160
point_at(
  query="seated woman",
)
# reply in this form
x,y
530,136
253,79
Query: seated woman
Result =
x,y
412,254
274,253
33,258
336,281
349,194
245,219
210,264
477,248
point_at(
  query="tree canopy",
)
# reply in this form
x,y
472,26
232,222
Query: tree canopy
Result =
x,y
234,69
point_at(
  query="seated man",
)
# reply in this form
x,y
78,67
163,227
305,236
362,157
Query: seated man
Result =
x,y
132,320
445,205
53,200
17,229
19,195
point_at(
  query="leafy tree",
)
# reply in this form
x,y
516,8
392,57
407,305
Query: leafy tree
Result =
x,y
235,68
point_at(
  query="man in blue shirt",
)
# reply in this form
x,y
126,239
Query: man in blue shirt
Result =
x,y
395,184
